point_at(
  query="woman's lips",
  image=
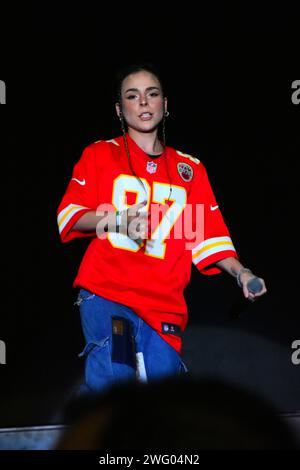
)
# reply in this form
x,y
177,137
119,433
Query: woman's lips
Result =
x,y
145,116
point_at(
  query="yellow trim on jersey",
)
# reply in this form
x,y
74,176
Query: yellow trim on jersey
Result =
x,y
208,247
111,141
186,155
66,214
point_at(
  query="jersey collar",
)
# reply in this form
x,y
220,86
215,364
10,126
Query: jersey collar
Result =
x,y
135,149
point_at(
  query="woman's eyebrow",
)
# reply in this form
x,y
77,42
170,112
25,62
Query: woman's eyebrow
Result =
x,y
147,89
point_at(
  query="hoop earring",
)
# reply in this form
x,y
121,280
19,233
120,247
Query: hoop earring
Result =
x,y
167,114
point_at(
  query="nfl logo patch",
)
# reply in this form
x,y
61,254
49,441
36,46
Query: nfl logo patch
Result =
x,y
185,171
151,167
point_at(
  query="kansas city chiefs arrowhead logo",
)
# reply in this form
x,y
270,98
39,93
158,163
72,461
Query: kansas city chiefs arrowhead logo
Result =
x,y
186,171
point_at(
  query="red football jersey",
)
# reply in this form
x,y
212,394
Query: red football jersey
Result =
x,y
150,279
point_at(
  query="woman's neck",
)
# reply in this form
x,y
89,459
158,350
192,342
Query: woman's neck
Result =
x,y
148,142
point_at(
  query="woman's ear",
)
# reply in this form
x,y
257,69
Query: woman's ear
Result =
x,y
165,104
118,110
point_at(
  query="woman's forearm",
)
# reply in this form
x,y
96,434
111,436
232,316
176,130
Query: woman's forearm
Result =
x,y
89,221
110,221
230,265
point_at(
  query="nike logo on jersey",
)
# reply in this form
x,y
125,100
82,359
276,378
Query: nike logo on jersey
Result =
x,y
213,208
80,182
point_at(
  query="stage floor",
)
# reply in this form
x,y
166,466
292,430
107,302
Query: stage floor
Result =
x,y
45,437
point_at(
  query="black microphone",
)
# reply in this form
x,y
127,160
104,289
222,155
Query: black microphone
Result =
x,y
255,285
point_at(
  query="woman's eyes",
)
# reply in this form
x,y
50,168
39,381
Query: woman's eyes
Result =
x,y
153,94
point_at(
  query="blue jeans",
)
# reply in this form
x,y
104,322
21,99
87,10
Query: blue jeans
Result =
x,y
138,353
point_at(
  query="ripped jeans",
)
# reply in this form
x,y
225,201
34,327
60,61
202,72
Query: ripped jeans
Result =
x,y
120,346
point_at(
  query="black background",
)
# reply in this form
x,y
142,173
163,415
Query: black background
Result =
x,y
228,74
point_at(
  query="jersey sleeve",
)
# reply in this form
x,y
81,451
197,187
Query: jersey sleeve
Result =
x,y
79,198
214,242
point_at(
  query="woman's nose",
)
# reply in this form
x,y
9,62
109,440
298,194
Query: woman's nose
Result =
x,y
143,101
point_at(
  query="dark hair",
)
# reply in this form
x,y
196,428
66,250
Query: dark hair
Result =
x,y
123,72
